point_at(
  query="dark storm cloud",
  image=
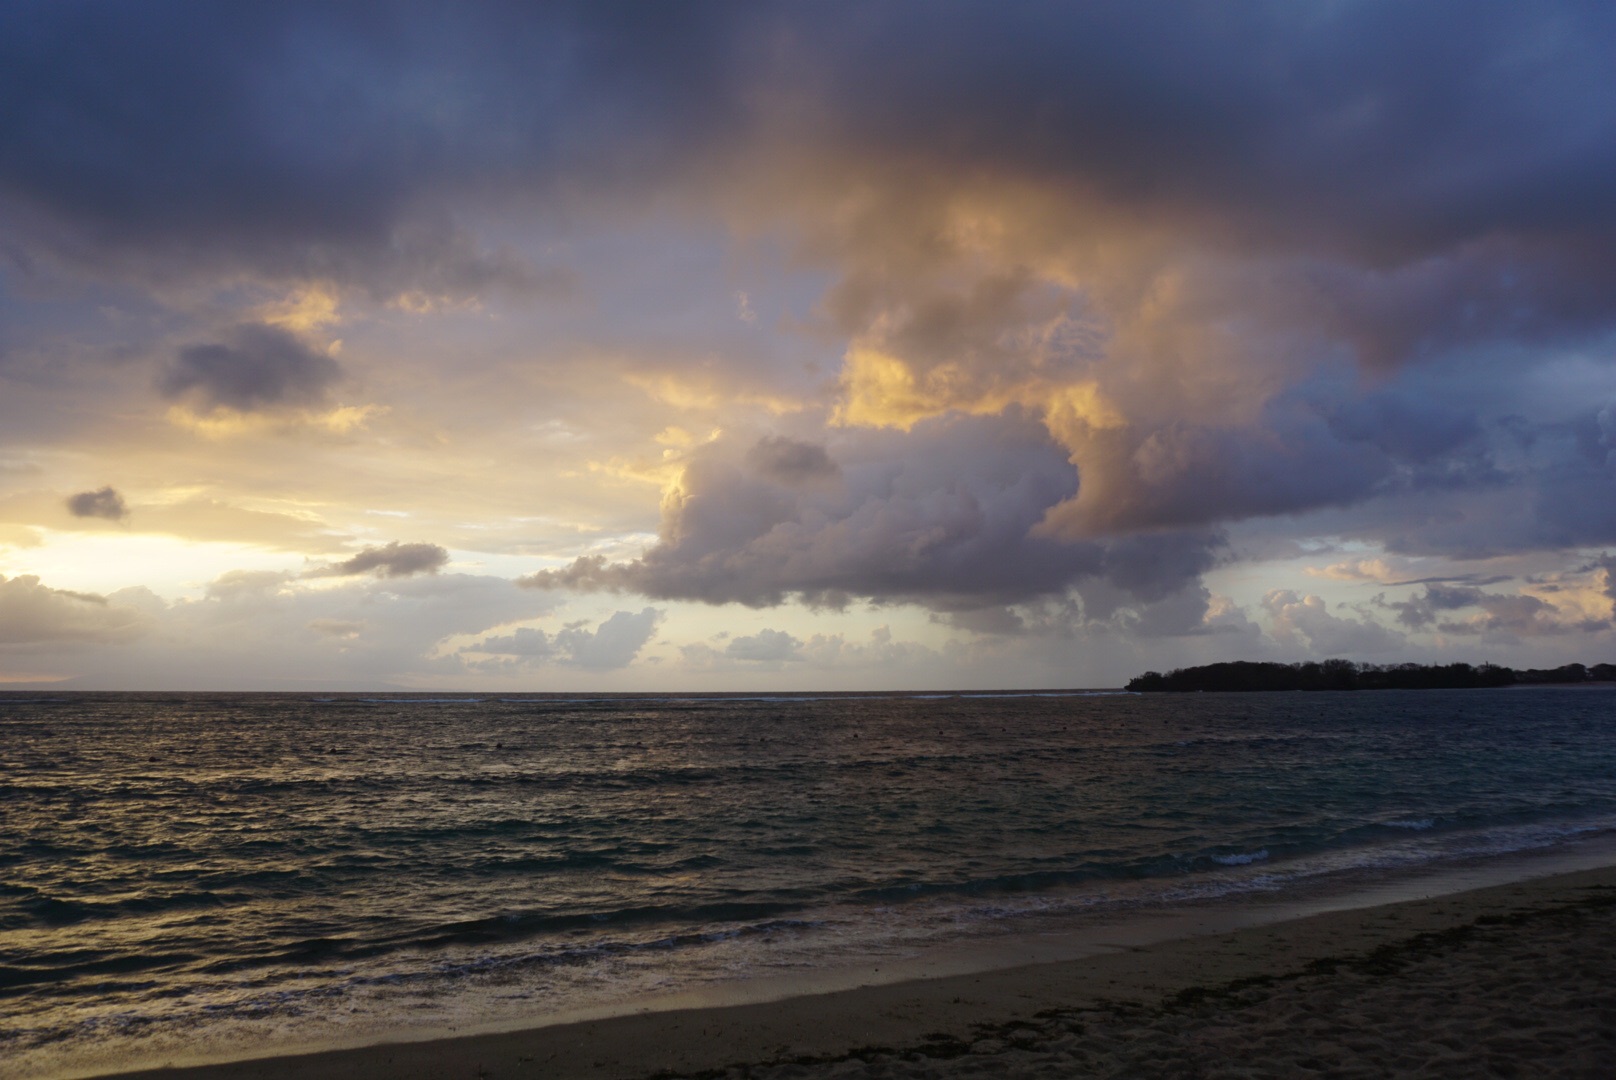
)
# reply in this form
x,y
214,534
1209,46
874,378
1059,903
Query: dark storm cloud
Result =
x,y
1402,427
1307,449
1461,579
1186,475
945,516
292,134
1575,500
1384,129
1420,612
325,139
105,503
789,461
1519,615
1441,165
1498,615
1521,486
259,367
1434,480
392,560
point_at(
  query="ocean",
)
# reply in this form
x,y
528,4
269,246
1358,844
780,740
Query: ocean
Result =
x,y
194,875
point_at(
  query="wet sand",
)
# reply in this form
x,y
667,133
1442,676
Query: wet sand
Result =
x,y
1511,980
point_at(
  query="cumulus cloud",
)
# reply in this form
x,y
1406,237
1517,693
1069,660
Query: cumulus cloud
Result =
x,y
765,646
32,613
238,584
881,655
1606,565
105,503
1420,612
945,515
391,560
613,644
949,514
881,650
1515,615
258,367
1295,620
1188,340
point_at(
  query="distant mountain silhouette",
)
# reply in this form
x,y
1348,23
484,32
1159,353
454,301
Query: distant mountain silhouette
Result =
x,y
1243,675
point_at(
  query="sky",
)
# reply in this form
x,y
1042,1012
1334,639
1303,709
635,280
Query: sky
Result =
x,y
485,346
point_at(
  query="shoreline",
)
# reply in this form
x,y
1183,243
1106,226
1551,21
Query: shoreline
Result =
x,y
936,1005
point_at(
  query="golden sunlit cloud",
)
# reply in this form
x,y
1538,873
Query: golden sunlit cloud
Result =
x,y
1378,571
708,394
1576,600
663,473
20,536
306,309
881,390
222,423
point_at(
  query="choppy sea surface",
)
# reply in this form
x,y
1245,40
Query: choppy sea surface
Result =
x,y
197,874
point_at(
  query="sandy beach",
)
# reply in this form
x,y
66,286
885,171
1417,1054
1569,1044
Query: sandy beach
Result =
x,y
1510,980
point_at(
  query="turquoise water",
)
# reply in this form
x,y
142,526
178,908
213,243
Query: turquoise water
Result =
x,y
188,874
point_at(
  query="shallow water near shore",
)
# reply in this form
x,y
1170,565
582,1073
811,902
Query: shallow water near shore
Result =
x,y
195,875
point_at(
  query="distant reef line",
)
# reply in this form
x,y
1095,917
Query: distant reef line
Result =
x,y
1239,675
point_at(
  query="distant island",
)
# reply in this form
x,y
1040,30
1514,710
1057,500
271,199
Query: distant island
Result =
x,y
1240,675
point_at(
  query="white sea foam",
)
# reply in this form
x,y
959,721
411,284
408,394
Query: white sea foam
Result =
x,y
1241,858
1050,694
419,700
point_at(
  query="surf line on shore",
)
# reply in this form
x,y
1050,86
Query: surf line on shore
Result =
x,y
1196,951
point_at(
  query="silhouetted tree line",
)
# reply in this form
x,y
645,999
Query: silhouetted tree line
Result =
x,y
1345,675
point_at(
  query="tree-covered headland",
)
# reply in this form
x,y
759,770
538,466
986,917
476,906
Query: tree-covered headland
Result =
x,y
1243,675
